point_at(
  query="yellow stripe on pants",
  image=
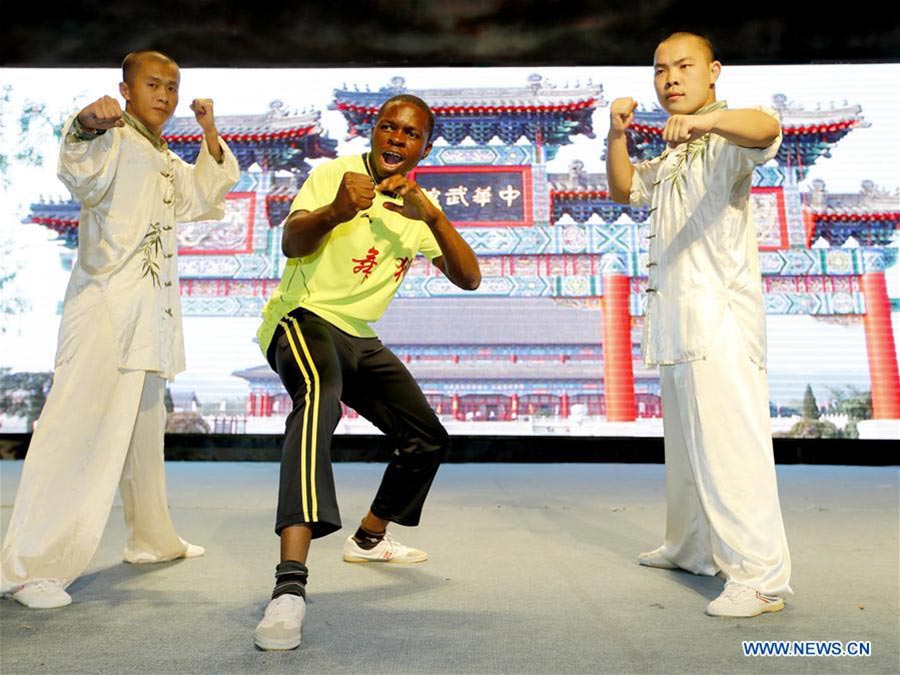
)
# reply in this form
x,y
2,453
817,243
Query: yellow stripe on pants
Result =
x,y
315,428
303,433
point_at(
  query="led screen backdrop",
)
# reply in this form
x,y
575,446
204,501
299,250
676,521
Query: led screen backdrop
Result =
x,y
518,164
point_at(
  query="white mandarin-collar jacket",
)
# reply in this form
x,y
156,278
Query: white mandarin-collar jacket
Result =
x,y
133,190
702,250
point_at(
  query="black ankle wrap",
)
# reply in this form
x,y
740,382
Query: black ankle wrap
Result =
x,y
367,540
290,579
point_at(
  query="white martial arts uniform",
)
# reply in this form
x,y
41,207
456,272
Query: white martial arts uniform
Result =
x,y
120,338
705,328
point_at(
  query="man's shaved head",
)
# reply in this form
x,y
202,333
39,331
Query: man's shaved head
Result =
x,y
133,60
701,40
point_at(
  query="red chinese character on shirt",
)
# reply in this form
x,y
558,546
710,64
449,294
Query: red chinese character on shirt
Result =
x,y
403,264
367,264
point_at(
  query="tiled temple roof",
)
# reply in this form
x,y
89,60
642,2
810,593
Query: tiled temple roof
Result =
x,y
807,134
277,140
540,111
870,216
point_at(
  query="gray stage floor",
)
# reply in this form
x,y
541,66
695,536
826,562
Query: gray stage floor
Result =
x,y
532,570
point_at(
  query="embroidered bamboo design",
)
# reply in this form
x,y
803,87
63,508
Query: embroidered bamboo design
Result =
x,y
150,248
692,151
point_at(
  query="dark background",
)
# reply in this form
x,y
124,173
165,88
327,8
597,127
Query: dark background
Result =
x,y
534,449
226,33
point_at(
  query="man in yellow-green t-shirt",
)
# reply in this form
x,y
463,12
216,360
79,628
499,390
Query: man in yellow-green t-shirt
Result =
x,y
352,234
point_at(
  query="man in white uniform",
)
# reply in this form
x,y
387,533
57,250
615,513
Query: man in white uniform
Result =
x,y
120,337
705,328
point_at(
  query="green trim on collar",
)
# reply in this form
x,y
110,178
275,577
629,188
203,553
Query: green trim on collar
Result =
x,y
709,107
158,142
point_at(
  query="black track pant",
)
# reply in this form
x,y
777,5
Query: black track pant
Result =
x,y
321,366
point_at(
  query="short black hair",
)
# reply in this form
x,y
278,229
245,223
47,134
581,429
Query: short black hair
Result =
x,y
702,39
412,100
132,61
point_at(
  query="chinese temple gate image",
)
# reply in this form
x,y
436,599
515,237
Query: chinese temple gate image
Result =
x,y
553,332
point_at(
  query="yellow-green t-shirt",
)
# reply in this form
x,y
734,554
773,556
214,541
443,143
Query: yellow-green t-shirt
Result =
x,y
352,277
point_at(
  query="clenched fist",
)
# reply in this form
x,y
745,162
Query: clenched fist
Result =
x,y
203,111
355,193
621,114
685,128
104,113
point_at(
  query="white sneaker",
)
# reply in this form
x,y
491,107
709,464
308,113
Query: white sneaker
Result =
x,y
143,558
388,550
743,601
655,558
281,624
42,594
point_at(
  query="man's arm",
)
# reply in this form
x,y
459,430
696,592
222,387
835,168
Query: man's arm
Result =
x,y
457,260
619,170
203,112
747,128
202,187
87,163
305,230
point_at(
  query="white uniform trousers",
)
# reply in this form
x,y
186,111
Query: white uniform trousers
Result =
x,y
723,512
99,428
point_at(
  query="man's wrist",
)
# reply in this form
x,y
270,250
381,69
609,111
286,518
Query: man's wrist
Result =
x,y
715,120
333,216
81,132
432,219
212,141
82,126
212,138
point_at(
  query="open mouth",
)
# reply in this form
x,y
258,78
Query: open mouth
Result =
x,y
391,159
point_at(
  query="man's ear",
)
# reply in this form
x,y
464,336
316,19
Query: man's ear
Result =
x,y
123,89
715,70
427,150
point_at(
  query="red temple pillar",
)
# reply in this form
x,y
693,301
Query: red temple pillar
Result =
x,y
880,347
617,366
251,404
809,224
513,406
454,406
564,406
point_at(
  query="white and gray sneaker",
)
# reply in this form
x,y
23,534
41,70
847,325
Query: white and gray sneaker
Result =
x,y
43,594
388,550
281,624
742,601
